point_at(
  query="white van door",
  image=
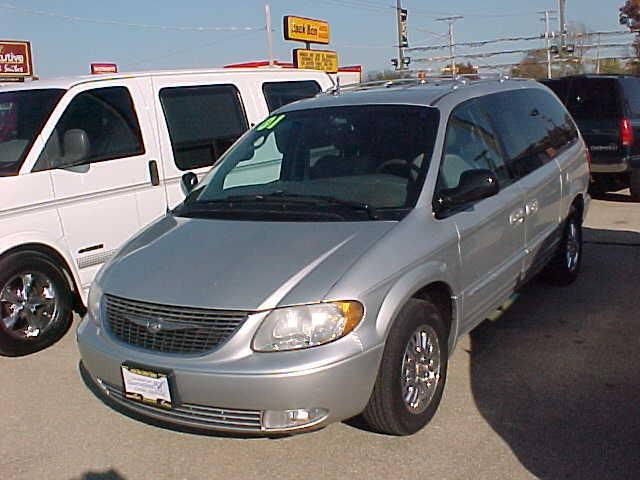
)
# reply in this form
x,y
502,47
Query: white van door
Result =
x,y
199,117
103,160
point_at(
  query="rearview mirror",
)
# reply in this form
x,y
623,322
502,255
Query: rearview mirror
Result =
x,y
76,147
188,182
474,185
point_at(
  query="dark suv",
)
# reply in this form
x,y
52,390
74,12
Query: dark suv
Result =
x,y
607,111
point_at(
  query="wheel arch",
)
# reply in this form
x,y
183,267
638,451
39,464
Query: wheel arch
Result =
x,y
60,257
427,282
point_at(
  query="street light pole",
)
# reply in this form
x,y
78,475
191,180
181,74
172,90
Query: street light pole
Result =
x,y
267,15
401,65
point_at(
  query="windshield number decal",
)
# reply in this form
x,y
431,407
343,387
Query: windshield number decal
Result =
x,y
270,123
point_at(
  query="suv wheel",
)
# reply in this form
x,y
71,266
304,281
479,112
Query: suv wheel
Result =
x,y
412,373
635,184
565,266
35,303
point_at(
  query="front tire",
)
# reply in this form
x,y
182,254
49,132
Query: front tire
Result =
x,y
35,303
412,372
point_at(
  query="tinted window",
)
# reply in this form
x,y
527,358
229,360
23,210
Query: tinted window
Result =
x,y
203,122
559,87
470,144
594,98
533,127
22,116
278,94
97,125
377,155
632,95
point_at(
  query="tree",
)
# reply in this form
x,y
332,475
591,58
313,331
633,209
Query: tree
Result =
x,y
630,16
533,65
386,75
611,66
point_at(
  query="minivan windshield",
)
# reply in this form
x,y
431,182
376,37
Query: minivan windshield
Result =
x,y
362,162
22,115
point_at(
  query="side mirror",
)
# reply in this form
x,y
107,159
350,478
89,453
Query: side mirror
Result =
x,y
76,146
474,185
188,182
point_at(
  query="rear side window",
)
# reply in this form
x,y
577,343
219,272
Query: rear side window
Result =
x,y
594,98
98,125
278,94
533,127
632,95
203,122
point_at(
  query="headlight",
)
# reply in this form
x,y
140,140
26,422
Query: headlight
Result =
x,y
93,302
292,328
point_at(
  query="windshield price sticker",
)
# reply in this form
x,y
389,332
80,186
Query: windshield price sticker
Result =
x,y
270,123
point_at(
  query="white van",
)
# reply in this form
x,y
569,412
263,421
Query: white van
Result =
x,y
86,162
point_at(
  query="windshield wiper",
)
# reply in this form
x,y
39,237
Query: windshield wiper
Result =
x,y
288,197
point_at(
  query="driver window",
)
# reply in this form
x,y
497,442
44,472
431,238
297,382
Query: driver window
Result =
x,y
98,125
470,144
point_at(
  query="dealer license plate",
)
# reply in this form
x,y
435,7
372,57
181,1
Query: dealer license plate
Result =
x,y
146,386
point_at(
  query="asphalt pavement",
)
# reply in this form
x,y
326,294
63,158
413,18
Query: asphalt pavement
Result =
x,y
551,389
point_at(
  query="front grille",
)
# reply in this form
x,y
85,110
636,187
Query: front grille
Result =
x,y
169,329
193,415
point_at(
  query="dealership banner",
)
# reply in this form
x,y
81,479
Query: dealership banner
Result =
x,y
15,59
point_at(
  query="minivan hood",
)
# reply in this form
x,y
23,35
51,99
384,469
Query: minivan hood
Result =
x,y
237,265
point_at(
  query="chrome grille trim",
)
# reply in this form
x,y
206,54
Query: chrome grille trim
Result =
x,y
169,329
193,415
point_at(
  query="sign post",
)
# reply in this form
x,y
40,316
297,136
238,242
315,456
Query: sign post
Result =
x,y
15,60
310,31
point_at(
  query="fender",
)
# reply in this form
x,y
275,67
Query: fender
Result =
x,y
17,240
408,285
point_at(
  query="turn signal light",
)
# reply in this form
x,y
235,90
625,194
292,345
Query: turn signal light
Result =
x,y
626,132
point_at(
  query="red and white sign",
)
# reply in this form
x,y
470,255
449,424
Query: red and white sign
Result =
x,y
15,59
99,68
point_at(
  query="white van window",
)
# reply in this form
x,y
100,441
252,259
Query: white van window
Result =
x,y
203,122
22,116
98,125
278,94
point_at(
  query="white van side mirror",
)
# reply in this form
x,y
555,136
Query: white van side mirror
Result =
x,y
76,146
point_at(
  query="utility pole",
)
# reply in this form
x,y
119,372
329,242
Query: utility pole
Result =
x,y
400,65
267,16
547,38
562,24
598,56
451,20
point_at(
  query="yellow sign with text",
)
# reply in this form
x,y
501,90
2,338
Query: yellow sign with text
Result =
x,y
325,60
306,30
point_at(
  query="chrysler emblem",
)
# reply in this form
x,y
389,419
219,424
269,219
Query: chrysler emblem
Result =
x,y
157,325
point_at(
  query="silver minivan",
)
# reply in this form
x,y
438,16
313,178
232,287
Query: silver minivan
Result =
x,y
327,264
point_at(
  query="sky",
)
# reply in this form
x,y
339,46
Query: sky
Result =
x,y
68,35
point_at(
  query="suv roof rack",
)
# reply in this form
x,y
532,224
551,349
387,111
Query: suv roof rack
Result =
x,y
433,80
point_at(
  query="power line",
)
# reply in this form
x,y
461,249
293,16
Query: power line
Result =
x,y
72,18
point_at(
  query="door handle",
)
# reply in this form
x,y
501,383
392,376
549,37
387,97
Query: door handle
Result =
x,y
531,207
517,217
153,173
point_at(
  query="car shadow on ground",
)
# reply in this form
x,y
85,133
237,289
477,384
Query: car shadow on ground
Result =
x,y
558,375
107,475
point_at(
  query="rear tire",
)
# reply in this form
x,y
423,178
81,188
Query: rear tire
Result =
x,y
412,372
565,265
634,184
35,303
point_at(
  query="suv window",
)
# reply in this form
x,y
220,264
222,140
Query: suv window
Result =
x,y
594,98
533,127
278,94
632,95
560,87
97,125
203,122
470,144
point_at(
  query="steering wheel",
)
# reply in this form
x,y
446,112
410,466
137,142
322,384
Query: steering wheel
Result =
x,y
393,165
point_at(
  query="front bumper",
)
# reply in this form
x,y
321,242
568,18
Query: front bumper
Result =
x,y
226,398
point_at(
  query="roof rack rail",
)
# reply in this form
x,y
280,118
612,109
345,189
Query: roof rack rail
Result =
x,y
456,81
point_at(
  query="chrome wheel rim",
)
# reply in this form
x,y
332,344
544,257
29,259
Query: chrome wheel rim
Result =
x,y
28,306
421,365
572,253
